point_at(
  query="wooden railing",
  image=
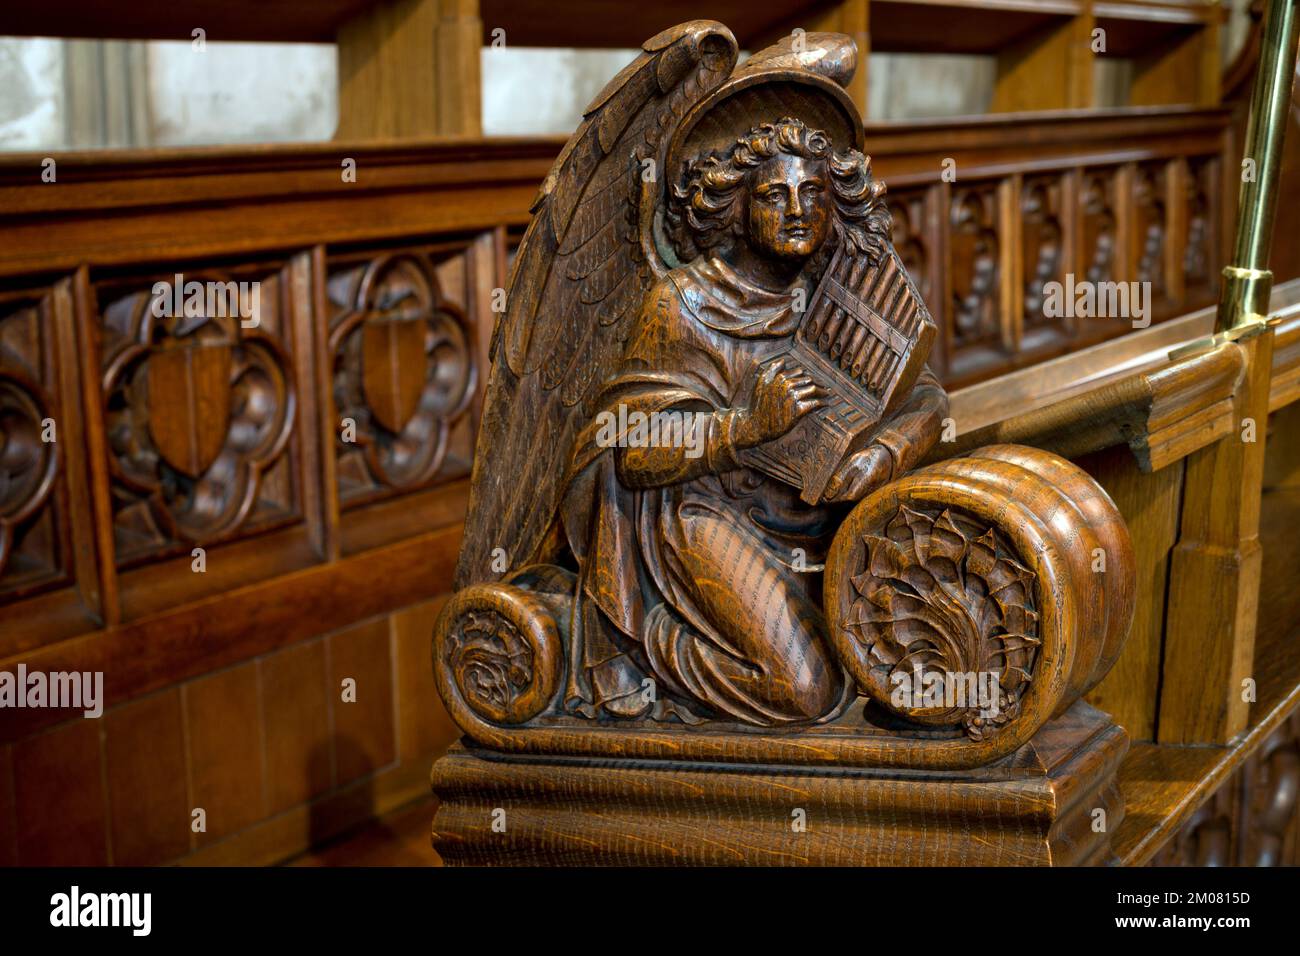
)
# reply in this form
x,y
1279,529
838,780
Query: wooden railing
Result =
x,y
1144,415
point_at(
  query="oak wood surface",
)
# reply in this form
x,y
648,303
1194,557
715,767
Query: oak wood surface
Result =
x,y
1131,373
1150,505
410,69
1164,784
615,813
1209,638
201,636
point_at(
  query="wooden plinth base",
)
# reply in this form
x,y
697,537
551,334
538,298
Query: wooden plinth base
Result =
x,y
1037,807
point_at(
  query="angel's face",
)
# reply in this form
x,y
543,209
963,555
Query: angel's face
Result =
x,y
789,204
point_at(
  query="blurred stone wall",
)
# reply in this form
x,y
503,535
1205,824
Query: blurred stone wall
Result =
x,y
72,94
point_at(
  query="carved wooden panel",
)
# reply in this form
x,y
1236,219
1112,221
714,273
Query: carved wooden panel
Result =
x,y
912,238
199,407
917,240
403,372
1044,253
1252,819
1151,232
1201,252
974,322
1271,788
34,544
1209,837
1098,215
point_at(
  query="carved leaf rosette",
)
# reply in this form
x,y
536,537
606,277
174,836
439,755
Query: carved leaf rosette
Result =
x,y
498,649
1002,584
944,620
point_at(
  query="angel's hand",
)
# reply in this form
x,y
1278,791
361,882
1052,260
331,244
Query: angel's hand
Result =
x,y
781,397
860,475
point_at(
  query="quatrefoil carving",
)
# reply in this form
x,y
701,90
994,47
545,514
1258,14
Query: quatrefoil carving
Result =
x,y
28,463
197,408
404,374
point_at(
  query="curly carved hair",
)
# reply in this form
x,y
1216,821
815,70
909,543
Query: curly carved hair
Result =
x,y
704,210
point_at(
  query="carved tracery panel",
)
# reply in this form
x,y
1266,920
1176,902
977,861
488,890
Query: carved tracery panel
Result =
x,y
1150,228
199,407
1201,253
403,374
911,236
1043,252
974,253
33,550
1097,213
1271,796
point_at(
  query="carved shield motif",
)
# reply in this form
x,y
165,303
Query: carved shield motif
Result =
x,y
189,404
395,369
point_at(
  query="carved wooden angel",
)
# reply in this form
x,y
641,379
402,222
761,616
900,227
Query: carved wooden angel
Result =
x,y
637,294
710,353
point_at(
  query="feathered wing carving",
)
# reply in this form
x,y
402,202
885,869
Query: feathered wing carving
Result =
x,y
578,279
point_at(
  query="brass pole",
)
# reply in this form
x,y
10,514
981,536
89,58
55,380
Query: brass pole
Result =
x,y
1247,282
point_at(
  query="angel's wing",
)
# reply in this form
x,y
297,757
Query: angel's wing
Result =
x,y
578,279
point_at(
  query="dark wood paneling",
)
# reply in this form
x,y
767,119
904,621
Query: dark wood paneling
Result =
x,y
227,763
8,812
60,798
216,632
425,726
149,809
364,732
299,759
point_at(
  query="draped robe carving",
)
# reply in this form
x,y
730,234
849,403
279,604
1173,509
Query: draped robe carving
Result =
x,y
701,572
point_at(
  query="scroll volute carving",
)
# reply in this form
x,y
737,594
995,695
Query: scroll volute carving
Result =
x,y
944,573
941,593
746,576
199,408
29,460
403,376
